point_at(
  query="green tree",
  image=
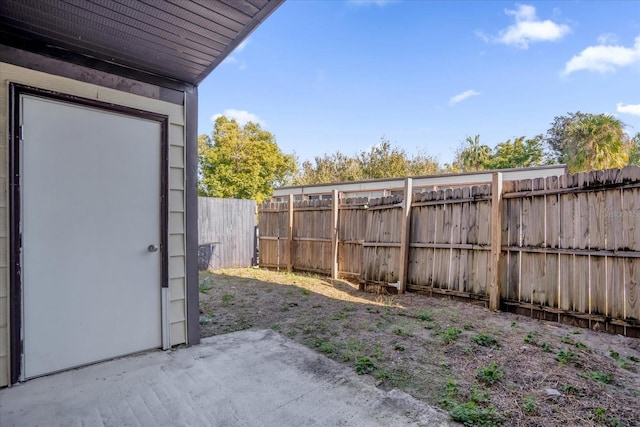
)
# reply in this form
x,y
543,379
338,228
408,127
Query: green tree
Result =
x,y
242,162
380,161
423,164
336,167
521,153
472,156
634,150
589,141
384,161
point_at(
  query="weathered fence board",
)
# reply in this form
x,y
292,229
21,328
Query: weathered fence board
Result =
x,y
226,232
569,245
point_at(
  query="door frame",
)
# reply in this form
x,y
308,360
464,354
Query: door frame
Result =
x,y
15,209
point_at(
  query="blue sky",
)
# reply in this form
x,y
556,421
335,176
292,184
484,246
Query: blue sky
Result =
x,y
336,75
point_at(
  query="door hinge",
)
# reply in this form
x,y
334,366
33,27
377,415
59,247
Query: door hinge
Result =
x,y
21,133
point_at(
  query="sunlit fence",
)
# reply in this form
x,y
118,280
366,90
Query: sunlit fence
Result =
x,y
565,248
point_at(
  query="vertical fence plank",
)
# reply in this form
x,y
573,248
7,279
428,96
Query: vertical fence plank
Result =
x,y
496,240
290,233
334,234
404,235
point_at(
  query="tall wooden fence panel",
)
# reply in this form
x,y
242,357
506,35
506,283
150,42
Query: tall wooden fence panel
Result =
x,y
226,232
381,246
352,222
450,241
565,248
273,232
312,232
573,248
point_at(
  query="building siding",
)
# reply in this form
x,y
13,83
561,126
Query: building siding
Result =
x,y
176,246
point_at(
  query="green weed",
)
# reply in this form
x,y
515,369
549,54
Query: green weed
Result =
x,y
565,356
433,326
382,374
602,377
623,363
326,347
529,404
567,340
466,326
532,338
377,352
285,308
479,395
365,365
571,389
547,347
425,315
400,331
490,374
470,414
450,335
204,287
399,378
486,340
227,298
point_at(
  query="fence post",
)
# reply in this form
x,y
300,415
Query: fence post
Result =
x,y
290,233
496,240
404,235
334,234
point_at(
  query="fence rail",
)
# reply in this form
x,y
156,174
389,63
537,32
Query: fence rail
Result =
x,y
564,248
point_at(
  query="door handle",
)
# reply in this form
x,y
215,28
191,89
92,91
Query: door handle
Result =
x,y
152,248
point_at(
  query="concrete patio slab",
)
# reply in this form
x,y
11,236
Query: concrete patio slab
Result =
x,y
248,378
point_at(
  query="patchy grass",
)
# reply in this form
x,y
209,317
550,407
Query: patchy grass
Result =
x,y
483,368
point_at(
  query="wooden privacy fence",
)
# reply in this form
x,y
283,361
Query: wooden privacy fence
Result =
x,y
226,233
565,248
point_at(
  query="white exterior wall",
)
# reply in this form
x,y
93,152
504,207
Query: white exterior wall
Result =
x,y
176,203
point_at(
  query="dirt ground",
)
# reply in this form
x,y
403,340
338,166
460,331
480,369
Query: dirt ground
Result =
x,y
483,368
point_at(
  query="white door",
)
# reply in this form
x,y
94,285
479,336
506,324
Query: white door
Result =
x,y
90,209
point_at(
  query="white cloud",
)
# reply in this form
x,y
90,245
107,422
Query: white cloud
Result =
x,y
462,96
633,109
604,58
607,38
527,29
241,46
233,58
241,116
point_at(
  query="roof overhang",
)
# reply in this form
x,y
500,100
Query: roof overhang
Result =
x,y
148,40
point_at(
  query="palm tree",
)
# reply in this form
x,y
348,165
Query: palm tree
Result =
x,y
475,155
596,141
